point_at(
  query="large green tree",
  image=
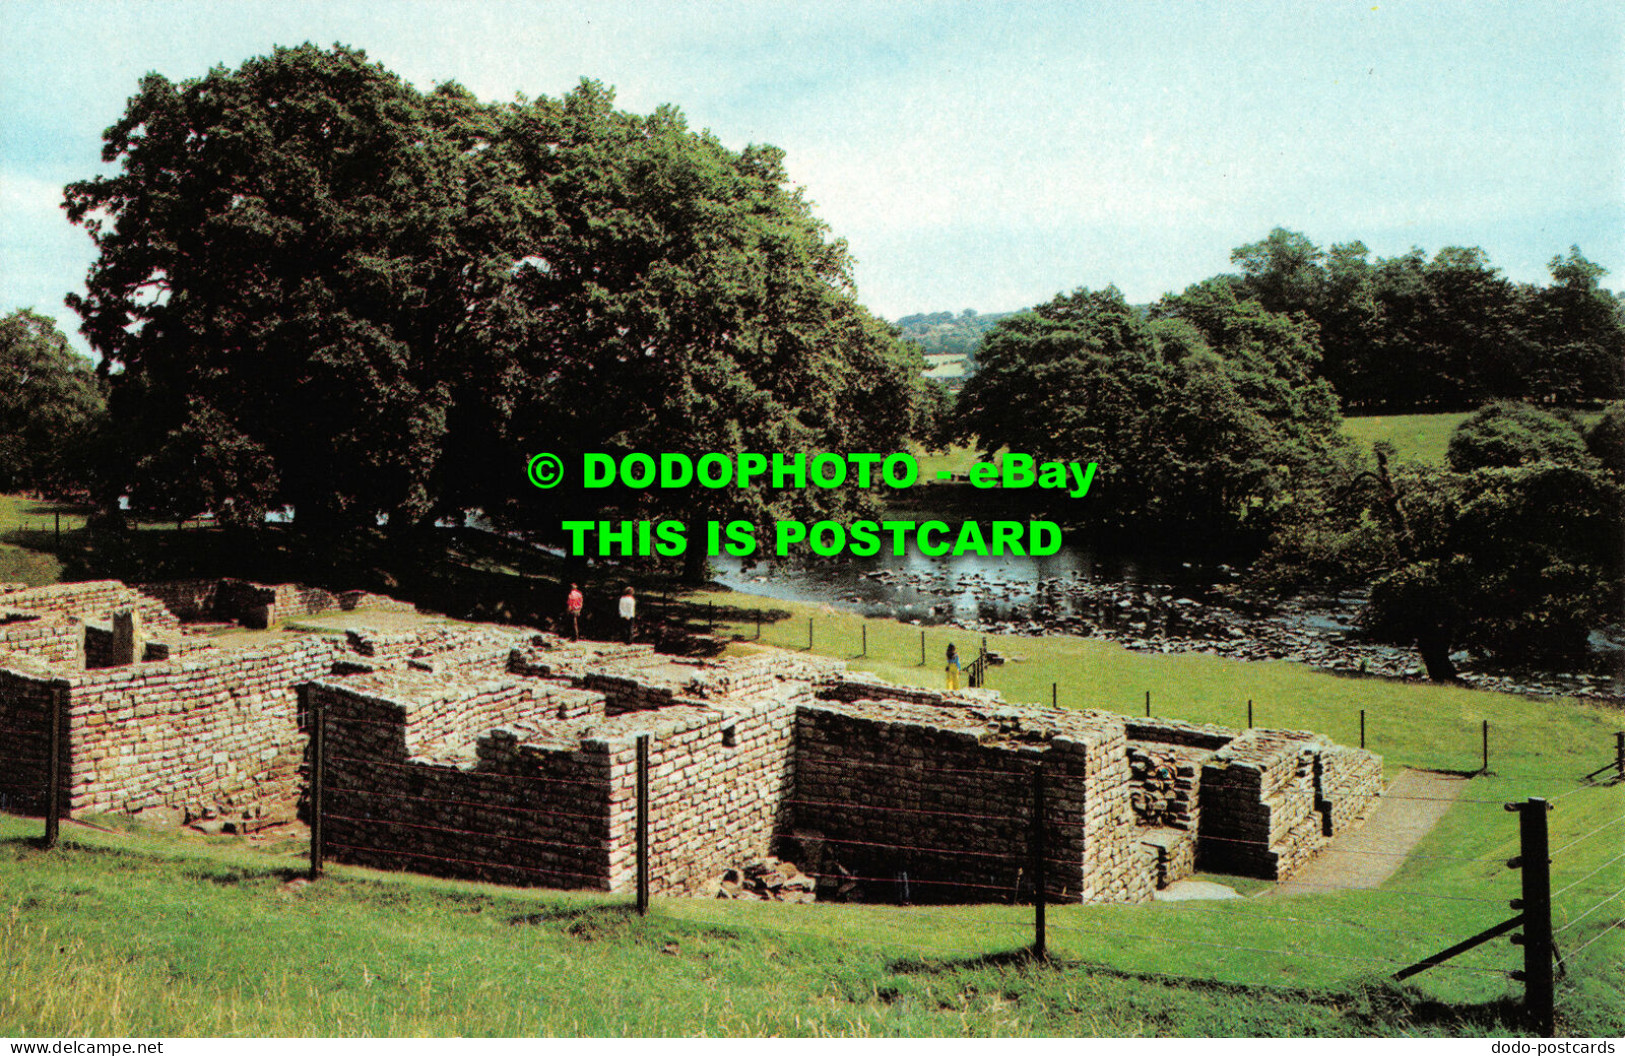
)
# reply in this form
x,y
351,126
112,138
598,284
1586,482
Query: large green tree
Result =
x,y
1203,416
672,295
51,408
1410,332
1513,551
280,252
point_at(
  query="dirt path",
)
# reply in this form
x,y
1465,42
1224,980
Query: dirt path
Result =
x,y
1366,857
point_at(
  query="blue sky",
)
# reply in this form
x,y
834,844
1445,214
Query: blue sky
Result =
x,y
974,155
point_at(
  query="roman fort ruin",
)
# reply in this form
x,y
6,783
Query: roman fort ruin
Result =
x,y
504,754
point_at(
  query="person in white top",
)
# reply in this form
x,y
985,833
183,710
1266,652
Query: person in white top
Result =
x,y
629,612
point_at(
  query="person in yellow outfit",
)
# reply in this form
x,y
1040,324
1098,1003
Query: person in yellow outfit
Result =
x,y
953,666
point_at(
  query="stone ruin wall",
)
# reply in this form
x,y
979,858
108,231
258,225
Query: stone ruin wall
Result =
x,y
259,605
92,600
1272,798
55,640
25,730
894,787
211,735
743,758
719,786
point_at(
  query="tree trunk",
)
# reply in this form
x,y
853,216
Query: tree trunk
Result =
x,y
696,567
1435,650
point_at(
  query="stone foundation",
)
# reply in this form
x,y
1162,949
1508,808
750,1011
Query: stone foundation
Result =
x,y
499,754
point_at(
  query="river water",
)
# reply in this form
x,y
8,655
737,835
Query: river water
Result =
x,y
1145,605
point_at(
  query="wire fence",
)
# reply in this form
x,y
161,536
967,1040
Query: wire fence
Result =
x,y
1464,745
914,836
904,859
1018,872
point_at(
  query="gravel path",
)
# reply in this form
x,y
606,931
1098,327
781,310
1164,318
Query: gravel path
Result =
x,y
1372,853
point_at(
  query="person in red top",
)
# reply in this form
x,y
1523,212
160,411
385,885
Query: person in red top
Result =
x,y
572,607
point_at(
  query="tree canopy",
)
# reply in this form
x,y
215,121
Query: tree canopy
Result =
x,y
1202,414
51,407
1449,332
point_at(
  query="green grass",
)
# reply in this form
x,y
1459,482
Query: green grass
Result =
x,y
129,933
112,934
1417,437
1411,724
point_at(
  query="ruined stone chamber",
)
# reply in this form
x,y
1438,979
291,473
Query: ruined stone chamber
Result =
x,y
156,720
504,755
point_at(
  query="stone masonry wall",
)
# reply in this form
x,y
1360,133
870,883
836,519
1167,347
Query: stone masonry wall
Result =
x,y
25,708
893,787
94,600
54,639
215,733
258,604
190,600
494,808
719,782
1265,810
1349,780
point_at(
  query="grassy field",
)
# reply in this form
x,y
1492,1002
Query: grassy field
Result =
x,y
1416,437
112,934
145,934
137,933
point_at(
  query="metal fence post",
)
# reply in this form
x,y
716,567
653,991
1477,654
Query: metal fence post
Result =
x,y
316,714
1619,754
55,715
1148,703
922,648
1362,727
1040,856
1054,693
643,825
1536,939
1249,713
865,639
1486,746
809,634
758,625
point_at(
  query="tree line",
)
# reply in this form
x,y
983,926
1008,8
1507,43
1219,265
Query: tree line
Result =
x,y
1217,433
1414,333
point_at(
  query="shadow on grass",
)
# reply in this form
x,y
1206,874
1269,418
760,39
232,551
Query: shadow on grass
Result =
x,y
575,914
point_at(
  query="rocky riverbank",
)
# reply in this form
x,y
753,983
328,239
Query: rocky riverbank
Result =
x,y
1218,619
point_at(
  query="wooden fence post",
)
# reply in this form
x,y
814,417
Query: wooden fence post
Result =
x,y
1536,939
56,715
1040,856
316,715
